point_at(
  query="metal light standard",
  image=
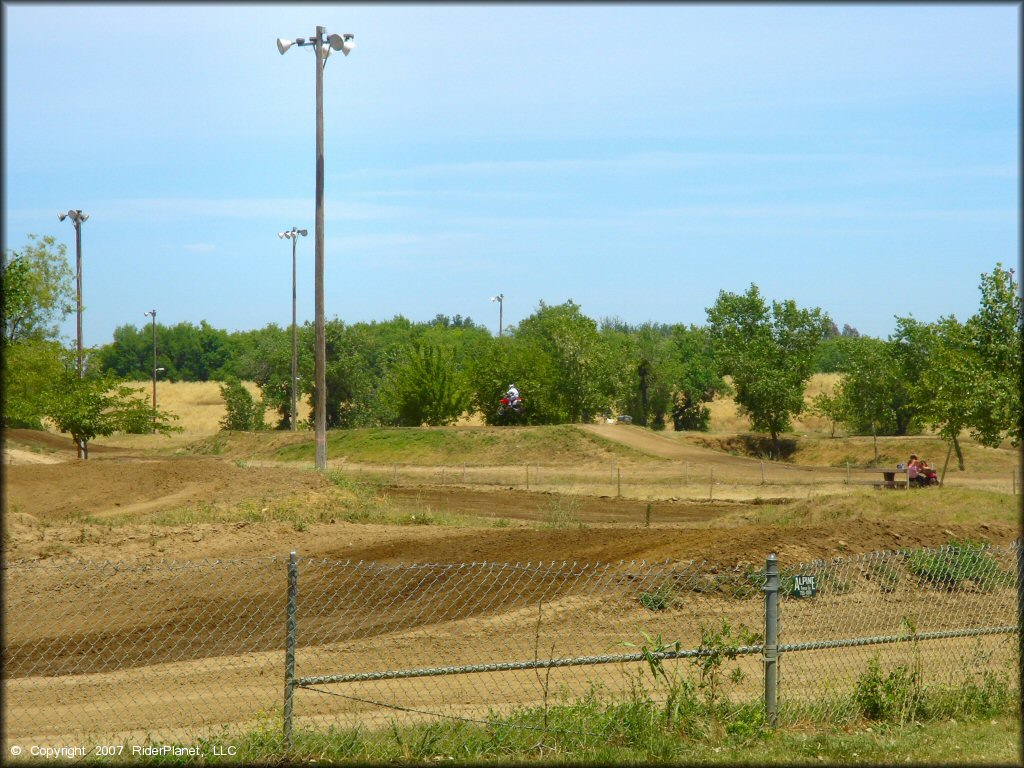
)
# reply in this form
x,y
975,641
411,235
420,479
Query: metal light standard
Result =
x,y
77,217
500,298
322,46
155,372
152,313
293,235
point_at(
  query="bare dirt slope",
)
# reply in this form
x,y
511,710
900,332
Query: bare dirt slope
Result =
x,y
654,444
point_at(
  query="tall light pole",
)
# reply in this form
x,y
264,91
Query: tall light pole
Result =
x,y
500,298
293,235
152,313
322,50
77,217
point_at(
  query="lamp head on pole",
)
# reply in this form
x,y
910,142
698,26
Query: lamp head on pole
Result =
x,y
283,45
344,43
76,216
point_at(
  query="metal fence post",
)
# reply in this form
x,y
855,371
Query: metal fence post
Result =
x,y
771,637
289,648
1020,612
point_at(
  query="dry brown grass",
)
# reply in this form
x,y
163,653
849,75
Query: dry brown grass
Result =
x,y
199,405
199,408
726,418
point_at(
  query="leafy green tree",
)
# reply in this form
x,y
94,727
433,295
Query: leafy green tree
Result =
x,y
99,405
426,387
866,393
995,333
835,355
768,353
37,294
267,361
654,369
525,363
129,355
243,412
37,290
830,407
698,379
949,382
571,342
973,376
30,369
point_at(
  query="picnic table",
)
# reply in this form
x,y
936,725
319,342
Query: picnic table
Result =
x,y
888,479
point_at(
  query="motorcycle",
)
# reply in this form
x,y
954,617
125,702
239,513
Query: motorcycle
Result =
x,y
510,405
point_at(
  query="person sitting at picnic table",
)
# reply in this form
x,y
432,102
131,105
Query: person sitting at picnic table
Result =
x,y
913,470
926,473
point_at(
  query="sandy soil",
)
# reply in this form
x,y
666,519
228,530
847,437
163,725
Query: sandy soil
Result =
x,y
199,645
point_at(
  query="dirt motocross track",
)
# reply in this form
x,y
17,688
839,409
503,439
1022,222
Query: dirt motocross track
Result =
x,y
195,645
59,509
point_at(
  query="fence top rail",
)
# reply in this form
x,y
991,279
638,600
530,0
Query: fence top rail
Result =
x,y
540,566
151,565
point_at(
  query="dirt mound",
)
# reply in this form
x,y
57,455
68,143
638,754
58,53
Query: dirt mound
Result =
x,y
33,446
101,487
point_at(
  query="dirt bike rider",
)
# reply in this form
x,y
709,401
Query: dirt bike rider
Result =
x,y
514,400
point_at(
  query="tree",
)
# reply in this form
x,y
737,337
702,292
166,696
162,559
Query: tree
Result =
x,y
641,370
129,356
571,342
995,333
522,361
36,286
243,412
30,368
769,355
100,405
973,376
948,383
426,387
697,379
830,407
37,290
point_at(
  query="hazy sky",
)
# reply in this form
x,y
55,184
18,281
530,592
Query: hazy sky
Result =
x,y
637,159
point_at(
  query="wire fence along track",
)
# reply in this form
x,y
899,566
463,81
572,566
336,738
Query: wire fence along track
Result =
x,y
162,652
682,479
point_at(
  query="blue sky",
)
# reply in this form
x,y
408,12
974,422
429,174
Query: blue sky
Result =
x,y
638,159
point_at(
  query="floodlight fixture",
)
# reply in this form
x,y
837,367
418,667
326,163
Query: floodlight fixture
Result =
x,y
76,216
344,43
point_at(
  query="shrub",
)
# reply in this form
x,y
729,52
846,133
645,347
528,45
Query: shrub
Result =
x,y
949,566
243,413
895,696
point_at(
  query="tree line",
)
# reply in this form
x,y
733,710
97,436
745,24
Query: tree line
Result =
x,y
946,375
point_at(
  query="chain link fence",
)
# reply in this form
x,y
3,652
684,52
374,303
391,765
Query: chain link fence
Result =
x,y
238,658
692,480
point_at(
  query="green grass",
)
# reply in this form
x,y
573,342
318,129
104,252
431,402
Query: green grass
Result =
x,y
677,726
556,444
347,500
950,566
945,505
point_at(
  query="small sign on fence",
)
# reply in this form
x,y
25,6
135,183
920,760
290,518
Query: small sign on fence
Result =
x,y
805,586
